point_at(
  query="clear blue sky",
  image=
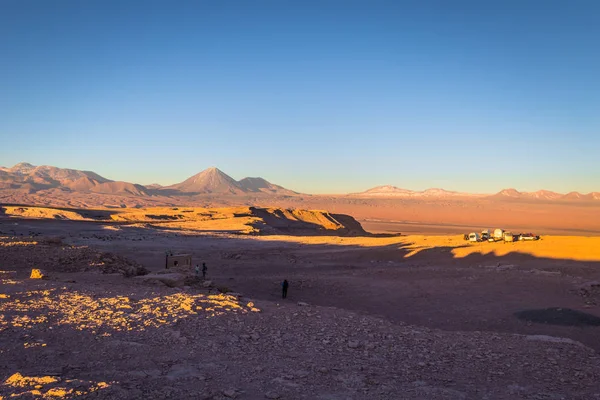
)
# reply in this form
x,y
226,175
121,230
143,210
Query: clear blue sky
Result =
x,y
318,96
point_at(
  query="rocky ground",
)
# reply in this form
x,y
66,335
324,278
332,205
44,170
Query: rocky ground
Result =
x,y
53,254
361,321
116,338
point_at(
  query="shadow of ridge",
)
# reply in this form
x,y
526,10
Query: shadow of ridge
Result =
x,y
559,316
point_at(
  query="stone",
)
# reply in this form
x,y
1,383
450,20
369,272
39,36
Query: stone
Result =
x,y
302,304
230,393
171,280
272,395
179,371
553,339
37,273
301,374
207,283
353,344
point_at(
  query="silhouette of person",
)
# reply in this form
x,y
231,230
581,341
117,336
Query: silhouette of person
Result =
x,y
284,288
204,269
197,271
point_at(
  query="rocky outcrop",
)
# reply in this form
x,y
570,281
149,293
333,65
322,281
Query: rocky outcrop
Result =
x,y
48,255
173,279
304,222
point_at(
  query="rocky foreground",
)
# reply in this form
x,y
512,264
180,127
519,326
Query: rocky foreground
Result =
x,y
89,331
109,337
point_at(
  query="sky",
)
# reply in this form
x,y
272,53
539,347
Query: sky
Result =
x,y
317,96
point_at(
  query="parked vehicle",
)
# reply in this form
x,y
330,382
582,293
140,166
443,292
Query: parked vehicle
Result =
x,y
485,234
466,236
508,237
528,236
498,234
474,237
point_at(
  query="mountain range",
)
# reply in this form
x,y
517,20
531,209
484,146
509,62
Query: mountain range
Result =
x,y
32,179
393,191
28,178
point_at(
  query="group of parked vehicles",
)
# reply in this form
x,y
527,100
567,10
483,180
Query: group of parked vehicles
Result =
x,y
499,235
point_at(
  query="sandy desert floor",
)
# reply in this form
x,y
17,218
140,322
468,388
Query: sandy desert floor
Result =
x,y
419,316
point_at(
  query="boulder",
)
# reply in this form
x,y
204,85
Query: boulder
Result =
x,y
207,283
230,393
171,280
37,273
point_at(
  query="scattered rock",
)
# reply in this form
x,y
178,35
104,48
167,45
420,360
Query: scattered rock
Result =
x,y
272,395
180,371
230,393
37,273
207,284
302,304
553,339
8,274
171,280
353,344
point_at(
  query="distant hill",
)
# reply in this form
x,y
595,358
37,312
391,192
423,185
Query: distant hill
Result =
x,y
211,180
30,178
260,185
215,181
545,195
393,191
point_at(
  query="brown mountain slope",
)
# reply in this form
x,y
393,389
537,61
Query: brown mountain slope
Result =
x,y
211,180
260,185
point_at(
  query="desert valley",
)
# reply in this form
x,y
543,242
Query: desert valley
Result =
x,y
386,298
296,200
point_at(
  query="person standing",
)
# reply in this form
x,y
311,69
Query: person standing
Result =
x,y
197,271
284,288
204,269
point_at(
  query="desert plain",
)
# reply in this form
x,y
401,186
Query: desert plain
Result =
x,y
369,315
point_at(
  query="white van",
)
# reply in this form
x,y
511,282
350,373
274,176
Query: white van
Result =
x,y
498,234
474,237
